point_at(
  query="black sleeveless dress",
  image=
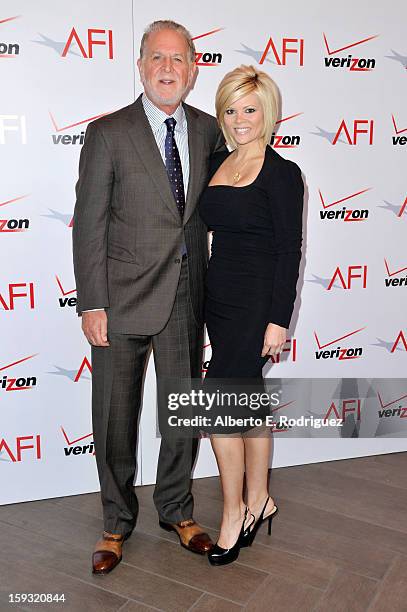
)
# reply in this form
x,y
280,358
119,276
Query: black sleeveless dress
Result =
x,y
253,269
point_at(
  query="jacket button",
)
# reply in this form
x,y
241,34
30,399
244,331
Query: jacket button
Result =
x,y
177,260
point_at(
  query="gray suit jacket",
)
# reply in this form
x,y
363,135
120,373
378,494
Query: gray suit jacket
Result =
x,y
127,231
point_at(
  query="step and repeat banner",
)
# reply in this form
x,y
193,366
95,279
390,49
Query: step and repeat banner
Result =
x,y
342,79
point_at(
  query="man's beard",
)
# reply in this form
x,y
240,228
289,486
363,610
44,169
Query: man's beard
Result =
x,y
164,101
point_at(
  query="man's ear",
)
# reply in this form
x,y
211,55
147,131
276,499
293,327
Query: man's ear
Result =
x,y
193,69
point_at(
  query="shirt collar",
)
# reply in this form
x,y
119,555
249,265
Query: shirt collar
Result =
x,y
156,117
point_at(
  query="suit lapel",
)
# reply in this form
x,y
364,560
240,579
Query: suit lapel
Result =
x,y
195,146
144,142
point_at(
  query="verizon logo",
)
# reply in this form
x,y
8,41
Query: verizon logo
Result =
x,y
344,213
350,62
395,282
339,353
397,139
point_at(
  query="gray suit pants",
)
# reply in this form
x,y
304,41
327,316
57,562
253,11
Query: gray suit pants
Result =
x,y
117,381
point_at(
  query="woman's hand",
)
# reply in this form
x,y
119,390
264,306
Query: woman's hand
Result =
x,y
274,339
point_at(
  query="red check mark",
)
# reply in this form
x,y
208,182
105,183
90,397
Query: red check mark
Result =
x,y
70,442
393,273
359,42
290,117
62,289
13,200
9,19
321,346
353,195
67,127
389,403
395,127
207,33
17,362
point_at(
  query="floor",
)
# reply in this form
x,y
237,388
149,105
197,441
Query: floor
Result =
x,y
339,543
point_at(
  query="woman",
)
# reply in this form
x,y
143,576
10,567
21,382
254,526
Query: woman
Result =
x,y
253,204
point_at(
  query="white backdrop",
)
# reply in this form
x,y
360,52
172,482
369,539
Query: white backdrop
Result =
x,y
62,65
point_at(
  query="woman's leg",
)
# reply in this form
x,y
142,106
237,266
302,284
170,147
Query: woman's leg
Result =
x,y
257,457
229,453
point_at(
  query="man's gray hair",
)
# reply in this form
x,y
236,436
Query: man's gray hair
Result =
x,y
167,24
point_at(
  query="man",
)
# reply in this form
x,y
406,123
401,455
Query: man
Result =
x,y
140,254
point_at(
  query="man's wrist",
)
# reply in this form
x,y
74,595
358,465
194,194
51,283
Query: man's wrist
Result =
x,y
93,310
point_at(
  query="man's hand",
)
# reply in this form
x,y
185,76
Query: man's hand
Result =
x,y
94,325
274,339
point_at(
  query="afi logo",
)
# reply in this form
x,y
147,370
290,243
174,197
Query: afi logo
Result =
x,y
397,139
17,384
402,209
284,47
65,300
353,64
208,58
90,42
13,225
13,123
22,443
339,353
290,347
352,273
394,282
401,339
344,214
285,142
15,291
85,364
351,133
396,209
348,406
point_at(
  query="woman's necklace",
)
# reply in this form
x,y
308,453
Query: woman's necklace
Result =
x,y
236,176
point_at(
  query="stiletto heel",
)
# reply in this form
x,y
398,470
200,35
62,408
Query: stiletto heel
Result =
x,y
222,556
247,537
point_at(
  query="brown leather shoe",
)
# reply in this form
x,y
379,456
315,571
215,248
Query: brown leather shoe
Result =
x,y
191,535
107,553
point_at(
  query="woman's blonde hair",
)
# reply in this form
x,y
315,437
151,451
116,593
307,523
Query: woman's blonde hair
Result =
x,y
240,82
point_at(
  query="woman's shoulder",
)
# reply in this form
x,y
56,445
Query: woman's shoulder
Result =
x,y
280,170
282,174
278,162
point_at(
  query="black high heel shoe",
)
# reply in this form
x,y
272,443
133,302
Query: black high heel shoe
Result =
x,y
247,535
222,556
